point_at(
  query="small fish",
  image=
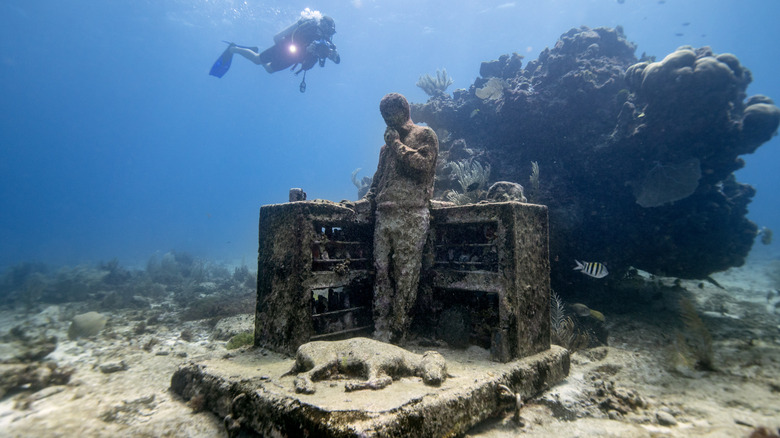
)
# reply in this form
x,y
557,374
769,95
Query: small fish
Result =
x,y
473,186
474,113
584,311
679,34
580,309
712,280
593,269
598,315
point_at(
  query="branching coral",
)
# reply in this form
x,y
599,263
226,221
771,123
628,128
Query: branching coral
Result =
x,y
534,176
363,184
557,312
435,85
472,178
697,336
563,328
462,198
471,175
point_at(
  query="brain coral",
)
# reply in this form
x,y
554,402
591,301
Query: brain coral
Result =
x,y
759,123
689,75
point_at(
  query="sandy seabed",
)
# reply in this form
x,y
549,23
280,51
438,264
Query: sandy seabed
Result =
x,y
638,386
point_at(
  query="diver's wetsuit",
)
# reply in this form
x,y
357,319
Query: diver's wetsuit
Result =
x,y
304,43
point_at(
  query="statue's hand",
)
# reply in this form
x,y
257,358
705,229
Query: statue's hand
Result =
x,y
362,205
391,135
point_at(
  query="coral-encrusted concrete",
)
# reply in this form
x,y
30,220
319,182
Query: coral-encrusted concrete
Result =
x,y
315,275
251,392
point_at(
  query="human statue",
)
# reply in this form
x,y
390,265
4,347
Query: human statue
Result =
x,y
399,199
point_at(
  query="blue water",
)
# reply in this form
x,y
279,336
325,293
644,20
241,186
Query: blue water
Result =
x,y
115,141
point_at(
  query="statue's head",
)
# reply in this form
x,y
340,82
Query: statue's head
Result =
x,y
395,110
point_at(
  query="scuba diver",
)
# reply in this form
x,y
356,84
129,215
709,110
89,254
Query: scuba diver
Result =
x,y
304,43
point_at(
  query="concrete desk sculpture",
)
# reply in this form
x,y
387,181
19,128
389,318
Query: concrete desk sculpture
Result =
x,y
471,283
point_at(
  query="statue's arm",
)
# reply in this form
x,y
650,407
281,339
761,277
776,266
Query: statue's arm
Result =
x,y
422,158
378,175
367,204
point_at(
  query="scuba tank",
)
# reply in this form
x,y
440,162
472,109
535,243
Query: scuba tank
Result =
x,y
287,33
308,28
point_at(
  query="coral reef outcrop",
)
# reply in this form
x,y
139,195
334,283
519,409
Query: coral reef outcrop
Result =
x,y
638,155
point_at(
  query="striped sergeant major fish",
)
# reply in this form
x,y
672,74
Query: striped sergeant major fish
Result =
x,y
593,269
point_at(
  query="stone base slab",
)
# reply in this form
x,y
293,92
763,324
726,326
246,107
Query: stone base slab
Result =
x,y
250,391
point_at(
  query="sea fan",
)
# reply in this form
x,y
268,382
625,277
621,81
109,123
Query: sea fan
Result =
x,y
667,183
